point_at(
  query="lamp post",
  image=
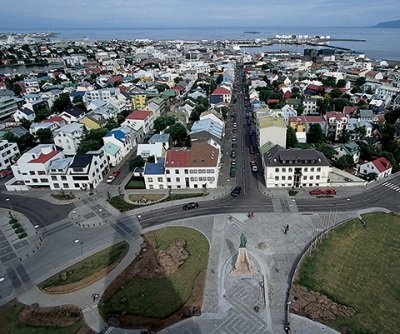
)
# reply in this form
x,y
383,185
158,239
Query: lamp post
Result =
x,y
81,243
9,203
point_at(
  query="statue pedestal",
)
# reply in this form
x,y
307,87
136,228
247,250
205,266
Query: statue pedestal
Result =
x,y
242,265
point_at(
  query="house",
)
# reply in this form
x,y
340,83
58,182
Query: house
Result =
x,y
122,137
354,126
380,166
336,124
154,175
156,150
73,114
197,167
35,127
24,113
271,129
140,119
32,168
303,123
8,106
366,115
157,106
351,149
295,168
285,112
214,116
69,137
9,153
163,138
93,121
221,94
209,125
310,105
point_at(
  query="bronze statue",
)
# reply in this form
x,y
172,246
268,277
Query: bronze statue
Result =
x,y
243,241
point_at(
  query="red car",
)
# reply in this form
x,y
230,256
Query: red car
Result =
x,y
116,173
5,172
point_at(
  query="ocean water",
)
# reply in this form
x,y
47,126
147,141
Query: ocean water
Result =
x,y
380,43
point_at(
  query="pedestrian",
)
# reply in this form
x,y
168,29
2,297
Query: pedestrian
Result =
x,y
286,229
93,297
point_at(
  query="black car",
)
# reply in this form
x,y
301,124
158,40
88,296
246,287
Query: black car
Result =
x,y
192,205
232,173
236,191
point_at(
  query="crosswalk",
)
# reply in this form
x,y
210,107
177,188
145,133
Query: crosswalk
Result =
x,y
392,186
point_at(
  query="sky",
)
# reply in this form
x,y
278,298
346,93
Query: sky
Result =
x,y
75,14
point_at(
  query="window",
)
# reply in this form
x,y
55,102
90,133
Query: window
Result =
x,y
63,177
161,186
289,178
311,169
167,171
283,178
310,184
168,179
76,185
290,169
41,172
186,171
159,179
176,171
277,170
65,185
56,185
283,170
305,177
306,169
149,179
178,179
317,177
311,177
276,178
54,178
31,172
318,169
151,186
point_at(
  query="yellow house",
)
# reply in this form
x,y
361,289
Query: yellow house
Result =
x,y
298,123
138,101
93,121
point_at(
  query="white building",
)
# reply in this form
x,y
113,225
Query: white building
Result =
x,y
124,139
69,137
271,129
336,123
380,166
9,153
295,168
140,119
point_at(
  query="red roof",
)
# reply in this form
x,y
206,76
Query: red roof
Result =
x,y
177,158
139,114
314,119
179,88
334,114
314,87
297,119
53,119
221,91
272,101
44,157
348,110
382,164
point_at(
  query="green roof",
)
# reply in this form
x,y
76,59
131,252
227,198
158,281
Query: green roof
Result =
x,y
266,147
3,133
111,148
170,93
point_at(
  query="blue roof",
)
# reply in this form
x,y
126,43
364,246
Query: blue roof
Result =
x,y
152,168
117,133
159,138
76,93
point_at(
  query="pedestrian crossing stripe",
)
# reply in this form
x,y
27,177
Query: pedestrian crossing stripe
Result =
x,y
392,186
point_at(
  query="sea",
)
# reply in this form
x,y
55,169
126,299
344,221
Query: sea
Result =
x,y
380,43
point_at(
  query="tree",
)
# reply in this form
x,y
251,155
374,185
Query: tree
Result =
x,y
341,83
88,145
162,122
178,133
26,124
61,103
220,78
370,177
77,100
329,81
335,93
16,89
136,162
44,135
41,114
344,136
346,161
177,80
291,139
111,124
360,81
162,87
340,103
327,150
392,116
324,105
151,158
315,134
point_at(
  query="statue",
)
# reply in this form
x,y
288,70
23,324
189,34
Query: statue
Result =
x,y
243,241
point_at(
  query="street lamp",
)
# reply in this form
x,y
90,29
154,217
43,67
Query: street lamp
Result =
x,y
9,203
81,243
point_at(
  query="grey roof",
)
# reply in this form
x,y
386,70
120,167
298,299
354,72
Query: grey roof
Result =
x,y
366,114
60,163
159,138
278,156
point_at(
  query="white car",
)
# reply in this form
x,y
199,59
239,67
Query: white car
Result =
x,y
110,179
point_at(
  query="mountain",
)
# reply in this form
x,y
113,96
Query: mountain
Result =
x,y
388,24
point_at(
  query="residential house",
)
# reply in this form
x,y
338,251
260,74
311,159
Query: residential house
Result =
x,y
366,115
336,124
93,121
271,129
156,150
379,166
69,137
209,125
163,138
310,105
154,175
8,106
24,113
295,168
157,106
351,149
9,153
73,114
124,138
221,94
140,119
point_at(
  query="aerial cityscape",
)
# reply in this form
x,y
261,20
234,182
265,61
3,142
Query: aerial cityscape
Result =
x,y
200,168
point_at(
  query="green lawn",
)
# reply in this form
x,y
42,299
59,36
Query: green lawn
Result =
x,y
9,323
120,204
160,297
359,266
88,266
149,197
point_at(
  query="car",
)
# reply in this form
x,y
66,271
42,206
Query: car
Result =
x,y
233,163
5,172
116,173
234,130
234,145
234,138
236,191
233,154
253,165
252,149
232,173
191,205
110,179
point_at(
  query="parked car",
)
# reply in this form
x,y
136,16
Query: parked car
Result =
x,y
234,138
236,191
252,149
233,154
319,191
191,205
116,172
110,179
5,172
253,165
